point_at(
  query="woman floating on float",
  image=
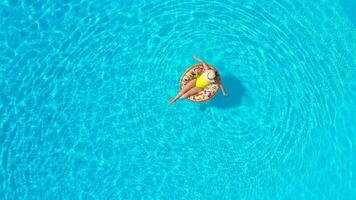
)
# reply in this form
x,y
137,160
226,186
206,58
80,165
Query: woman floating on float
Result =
x,y
199,83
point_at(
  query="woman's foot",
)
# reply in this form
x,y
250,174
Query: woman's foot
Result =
x,y
172,101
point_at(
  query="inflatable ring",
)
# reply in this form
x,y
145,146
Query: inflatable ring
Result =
x,y
194,72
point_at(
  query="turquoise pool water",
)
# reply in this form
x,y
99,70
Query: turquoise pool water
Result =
x,y
84,87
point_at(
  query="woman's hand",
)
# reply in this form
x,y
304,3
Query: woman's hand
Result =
x,y
221,87
195,57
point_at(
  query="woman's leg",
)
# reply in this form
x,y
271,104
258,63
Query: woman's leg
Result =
x,y
185,88
193,91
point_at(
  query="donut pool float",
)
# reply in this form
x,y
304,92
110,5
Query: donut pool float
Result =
x,y
194,72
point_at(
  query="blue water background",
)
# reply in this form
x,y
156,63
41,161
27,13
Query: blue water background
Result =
x,y
84,87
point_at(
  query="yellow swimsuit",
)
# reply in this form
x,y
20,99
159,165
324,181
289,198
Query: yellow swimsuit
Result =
x,y
201,82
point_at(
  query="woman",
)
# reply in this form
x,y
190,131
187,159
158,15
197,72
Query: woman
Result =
x,y
194,86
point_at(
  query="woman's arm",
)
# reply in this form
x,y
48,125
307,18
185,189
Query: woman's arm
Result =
x,y
202,62
221,87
